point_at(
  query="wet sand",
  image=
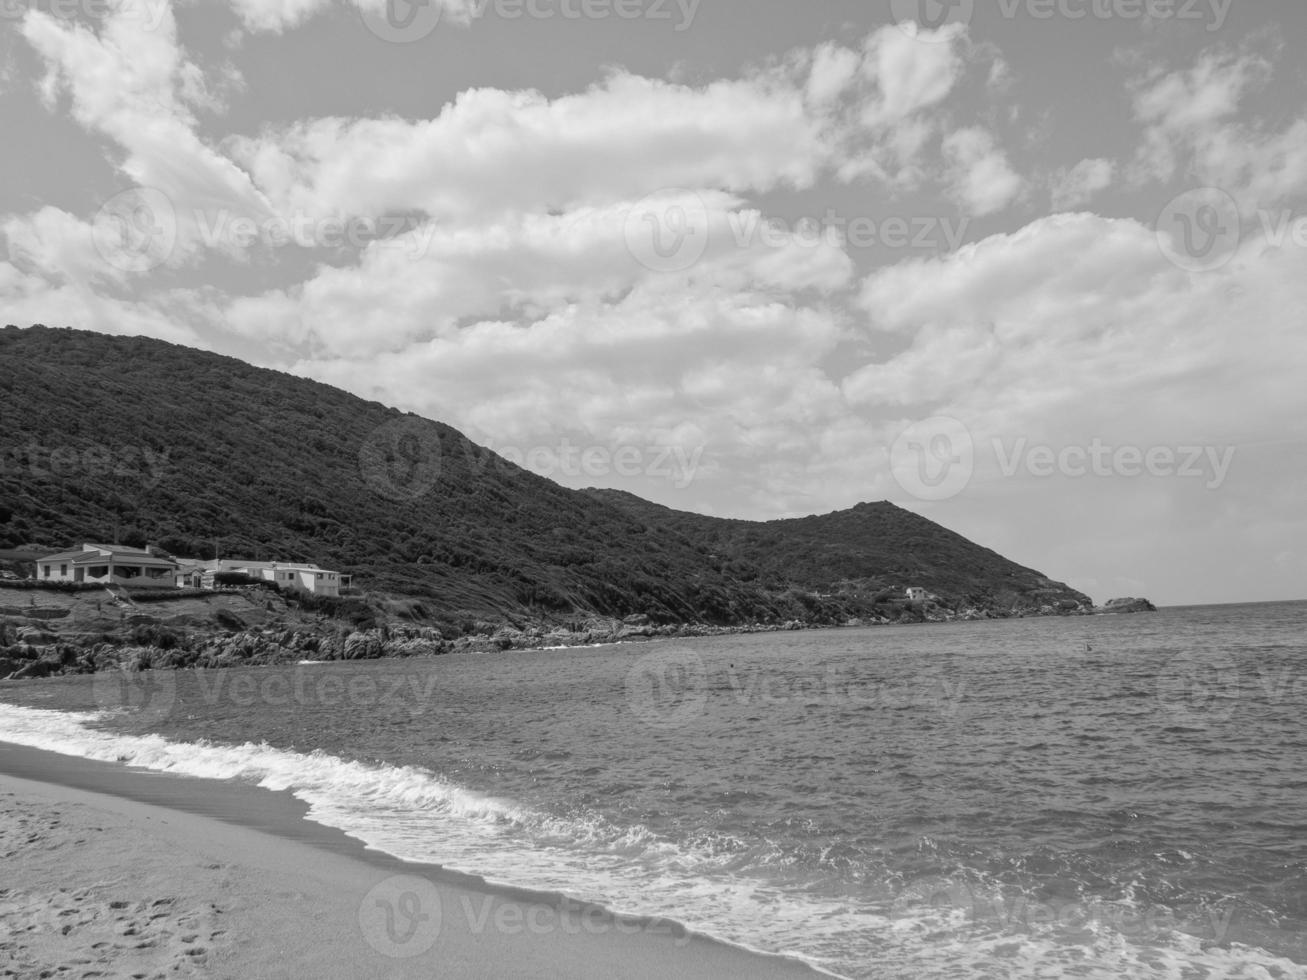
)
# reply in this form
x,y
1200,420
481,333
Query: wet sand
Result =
x,y
120,873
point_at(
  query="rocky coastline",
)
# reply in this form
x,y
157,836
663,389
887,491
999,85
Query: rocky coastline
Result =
x,y
1124,606
50,638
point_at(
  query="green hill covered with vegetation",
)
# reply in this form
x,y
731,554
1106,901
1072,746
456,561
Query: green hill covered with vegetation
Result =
x,y
198,453
868,550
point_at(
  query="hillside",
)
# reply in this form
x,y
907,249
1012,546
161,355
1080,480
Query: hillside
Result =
x,y
868,548
196,452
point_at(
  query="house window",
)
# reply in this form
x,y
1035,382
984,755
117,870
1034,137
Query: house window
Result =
x,y
63,571
46,570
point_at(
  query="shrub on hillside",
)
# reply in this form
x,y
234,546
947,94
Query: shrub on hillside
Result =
x,y
36,585
155,635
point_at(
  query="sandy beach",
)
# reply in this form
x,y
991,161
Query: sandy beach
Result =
x,y
171,877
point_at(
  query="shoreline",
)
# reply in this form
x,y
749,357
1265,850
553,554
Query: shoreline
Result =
x,y
282,884
273,645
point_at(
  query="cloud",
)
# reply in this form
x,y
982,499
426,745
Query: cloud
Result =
x,y
1076,330
742,365
276,16
57,242
881,103
1208,93
132,83
1195,122
855,112
1078,320
833,71
433,280
982,180
32,298
909,75
1077,186
625,136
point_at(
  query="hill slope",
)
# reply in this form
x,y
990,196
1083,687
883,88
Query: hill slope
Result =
x,y
868,548
184,448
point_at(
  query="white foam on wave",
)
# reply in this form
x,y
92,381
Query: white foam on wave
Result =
x,y
415,815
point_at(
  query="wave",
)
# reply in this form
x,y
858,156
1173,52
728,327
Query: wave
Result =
x,y
718,885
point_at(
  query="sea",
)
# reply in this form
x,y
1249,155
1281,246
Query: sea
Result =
x,y
1115,796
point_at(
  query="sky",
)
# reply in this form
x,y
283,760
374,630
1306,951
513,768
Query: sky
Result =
x,y
1034,269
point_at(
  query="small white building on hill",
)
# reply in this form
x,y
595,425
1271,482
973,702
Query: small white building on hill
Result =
x,y
109,564
112,564
293,575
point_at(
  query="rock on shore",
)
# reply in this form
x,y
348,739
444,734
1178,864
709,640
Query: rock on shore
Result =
x,y
1126,606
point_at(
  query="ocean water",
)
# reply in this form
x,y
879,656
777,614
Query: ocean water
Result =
x,y
1082,797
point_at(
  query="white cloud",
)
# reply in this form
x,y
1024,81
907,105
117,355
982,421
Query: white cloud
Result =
x,y
276,16
56,242
1210,92
622,138
1194,123
1078,318
983,182
742,365
910,75
131,82
833,71
625,137
1077,329
29,299
1077,186
432,282
892,105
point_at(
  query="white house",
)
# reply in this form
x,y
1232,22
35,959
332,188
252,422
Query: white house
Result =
x,y
918,595
294,575
109,564
190,573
